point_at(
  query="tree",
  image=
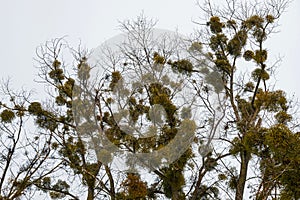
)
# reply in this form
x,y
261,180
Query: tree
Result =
x,y
257,114
198,117
27,158
96,115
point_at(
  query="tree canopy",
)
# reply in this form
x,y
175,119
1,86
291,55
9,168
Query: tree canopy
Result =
x,y
159,116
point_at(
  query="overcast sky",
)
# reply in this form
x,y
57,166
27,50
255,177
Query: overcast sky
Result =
x,y
25,24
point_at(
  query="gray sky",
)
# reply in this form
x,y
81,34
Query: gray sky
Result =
x,y
27,24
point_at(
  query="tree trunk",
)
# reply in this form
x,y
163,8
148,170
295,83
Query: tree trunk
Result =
x,y
175,195
90,194
196,192
245,157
